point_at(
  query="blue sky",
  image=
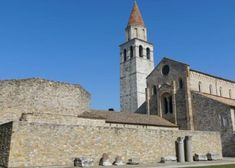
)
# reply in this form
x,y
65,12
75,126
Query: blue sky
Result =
x,y
77,41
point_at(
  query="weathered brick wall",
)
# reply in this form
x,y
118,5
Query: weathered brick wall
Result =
x,y
39,95
209,115
35,144
215,83
5,140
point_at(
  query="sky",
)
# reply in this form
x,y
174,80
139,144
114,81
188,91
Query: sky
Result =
x,y
77,41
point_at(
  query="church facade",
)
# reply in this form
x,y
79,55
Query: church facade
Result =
x,y
191,99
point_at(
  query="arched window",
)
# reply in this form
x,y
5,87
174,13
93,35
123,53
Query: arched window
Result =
x,y
181,84
136,33
144,33
140,51
148,53
166,107
230,93
220,91
131,52
154,91
167,103
170,105
200,86
210,89
129,34
124,55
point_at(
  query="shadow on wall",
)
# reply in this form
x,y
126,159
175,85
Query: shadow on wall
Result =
x,y
5,141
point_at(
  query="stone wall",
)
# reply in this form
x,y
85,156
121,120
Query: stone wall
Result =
x,y
46,118
211,115
5,140
37,144
39,95
227,87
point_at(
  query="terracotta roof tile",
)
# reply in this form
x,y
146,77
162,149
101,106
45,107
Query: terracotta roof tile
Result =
x,y
128,118
224,100
135,17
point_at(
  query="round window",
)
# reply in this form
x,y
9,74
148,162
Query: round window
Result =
x,y
165,70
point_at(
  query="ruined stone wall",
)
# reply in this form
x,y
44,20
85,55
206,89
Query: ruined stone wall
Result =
x,y
45,118
36,144
39,95
211,115
5,140
227,87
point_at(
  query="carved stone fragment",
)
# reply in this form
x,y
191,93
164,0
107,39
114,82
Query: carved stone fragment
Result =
x,y
104,161
118,161
83,162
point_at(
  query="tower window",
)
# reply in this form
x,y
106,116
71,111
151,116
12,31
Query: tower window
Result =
x,y
140,51
181,84
200,86
210,88
136,32
230,93
148,53
131,52
124,55
144,33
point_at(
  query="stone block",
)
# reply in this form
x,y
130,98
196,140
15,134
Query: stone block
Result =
x,y
199,157
104,161
168,159
213,156
133,161
118,161
83,162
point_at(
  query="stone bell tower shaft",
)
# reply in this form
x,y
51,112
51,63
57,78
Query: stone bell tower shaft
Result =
x,y
136,62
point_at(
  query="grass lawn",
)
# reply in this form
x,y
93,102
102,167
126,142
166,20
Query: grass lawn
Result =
x,y
221,166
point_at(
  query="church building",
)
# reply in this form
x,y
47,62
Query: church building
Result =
x,y
191,99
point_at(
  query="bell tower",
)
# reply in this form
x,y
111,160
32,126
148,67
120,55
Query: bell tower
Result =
x,y
136,62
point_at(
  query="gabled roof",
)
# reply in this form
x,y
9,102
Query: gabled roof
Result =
x,y
135,17
127,118
213,76
166,59
224,100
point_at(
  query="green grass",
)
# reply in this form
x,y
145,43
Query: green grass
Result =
x,y
220,166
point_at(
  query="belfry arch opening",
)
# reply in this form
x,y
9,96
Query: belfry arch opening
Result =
x,y
141,51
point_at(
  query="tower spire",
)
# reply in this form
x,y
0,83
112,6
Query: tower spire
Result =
x,y
135,17
136,63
